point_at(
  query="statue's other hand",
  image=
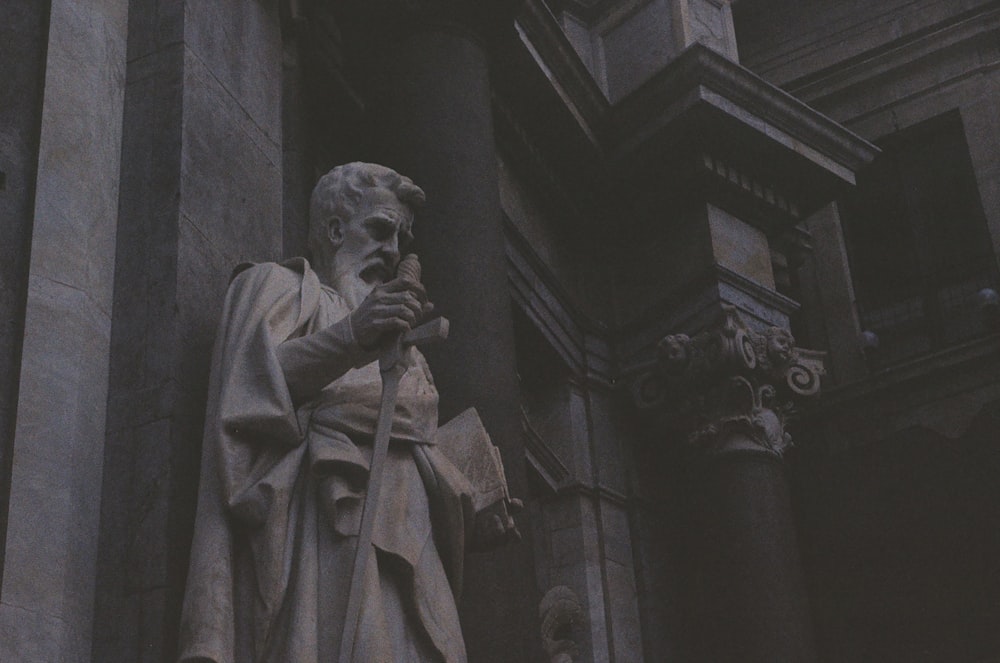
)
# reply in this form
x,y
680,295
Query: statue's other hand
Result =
x,y
391,308
495,525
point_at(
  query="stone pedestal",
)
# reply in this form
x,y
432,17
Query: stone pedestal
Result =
x,y
726,393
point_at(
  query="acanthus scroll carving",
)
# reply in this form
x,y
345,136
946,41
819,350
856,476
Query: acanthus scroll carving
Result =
x,y
730,386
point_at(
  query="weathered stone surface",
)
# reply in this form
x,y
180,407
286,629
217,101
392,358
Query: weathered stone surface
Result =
x,y
58,441
433,111
828,289
792,38
211,176
223,142
559,612
729,389
16,622
142,380
637,47
230,38
710,22
201,192
740,247
623,609
553,242
276,365
23,42
982,131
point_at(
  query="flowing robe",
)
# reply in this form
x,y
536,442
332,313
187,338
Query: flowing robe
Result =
x,y
282,488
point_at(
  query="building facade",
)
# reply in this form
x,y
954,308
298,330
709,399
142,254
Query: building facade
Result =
x,y
657,228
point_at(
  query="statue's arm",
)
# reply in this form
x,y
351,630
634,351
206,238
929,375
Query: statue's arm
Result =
x,y
311,362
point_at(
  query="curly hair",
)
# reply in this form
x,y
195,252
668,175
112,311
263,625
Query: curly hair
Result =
x,y
338,193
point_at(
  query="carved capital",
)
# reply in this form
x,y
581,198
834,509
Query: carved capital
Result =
x,y
730,387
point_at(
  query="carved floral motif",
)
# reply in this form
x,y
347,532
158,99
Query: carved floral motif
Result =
x,y
730,380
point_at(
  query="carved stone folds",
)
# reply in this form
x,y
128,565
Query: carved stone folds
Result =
x,y
730,388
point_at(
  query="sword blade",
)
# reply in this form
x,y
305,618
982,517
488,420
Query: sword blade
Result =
x,y
380,450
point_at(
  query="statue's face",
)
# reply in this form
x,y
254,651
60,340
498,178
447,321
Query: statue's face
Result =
x,y
780,346
367,245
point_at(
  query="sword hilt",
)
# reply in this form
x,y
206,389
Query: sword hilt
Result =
x,y
409,268
430,332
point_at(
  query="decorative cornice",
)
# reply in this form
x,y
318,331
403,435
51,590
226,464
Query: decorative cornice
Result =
x,y
730,388
700,75
965,30
770,196
763,294
957,370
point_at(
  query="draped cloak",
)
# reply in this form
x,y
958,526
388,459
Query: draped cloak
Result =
x,y
282,486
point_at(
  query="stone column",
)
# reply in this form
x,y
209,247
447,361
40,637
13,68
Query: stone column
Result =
x,y
430,108
201,191
48,584
727,393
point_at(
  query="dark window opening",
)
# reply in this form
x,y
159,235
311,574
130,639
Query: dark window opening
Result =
x,y
918,242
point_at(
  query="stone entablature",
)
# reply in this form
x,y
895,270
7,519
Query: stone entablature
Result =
x,y
483,17
730,388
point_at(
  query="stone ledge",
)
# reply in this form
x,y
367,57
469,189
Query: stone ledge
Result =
x,y
702,85
960,370
545,40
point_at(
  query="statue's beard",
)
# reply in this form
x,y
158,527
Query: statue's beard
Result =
x,y
375,272
355,281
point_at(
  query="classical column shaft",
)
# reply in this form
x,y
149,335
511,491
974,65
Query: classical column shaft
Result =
x,y
749,590
433,121
727,391
48,584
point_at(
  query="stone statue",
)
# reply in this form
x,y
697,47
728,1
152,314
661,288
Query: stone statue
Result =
x,y
294,399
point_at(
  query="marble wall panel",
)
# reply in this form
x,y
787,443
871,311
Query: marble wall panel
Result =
x,y
57,462
626,635
142,380
635,48
202,191
982,131
239,42
826,280
231,188
710,22
609,445
23,40
740,247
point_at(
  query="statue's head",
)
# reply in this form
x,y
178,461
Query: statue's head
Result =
x,y
360,217
780,346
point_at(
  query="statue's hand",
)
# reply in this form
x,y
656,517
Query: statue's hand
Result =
x,y
495,525
392,308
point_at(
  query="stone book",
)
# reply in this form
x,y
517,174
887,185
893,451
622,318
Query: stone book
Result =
x,y
465,442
